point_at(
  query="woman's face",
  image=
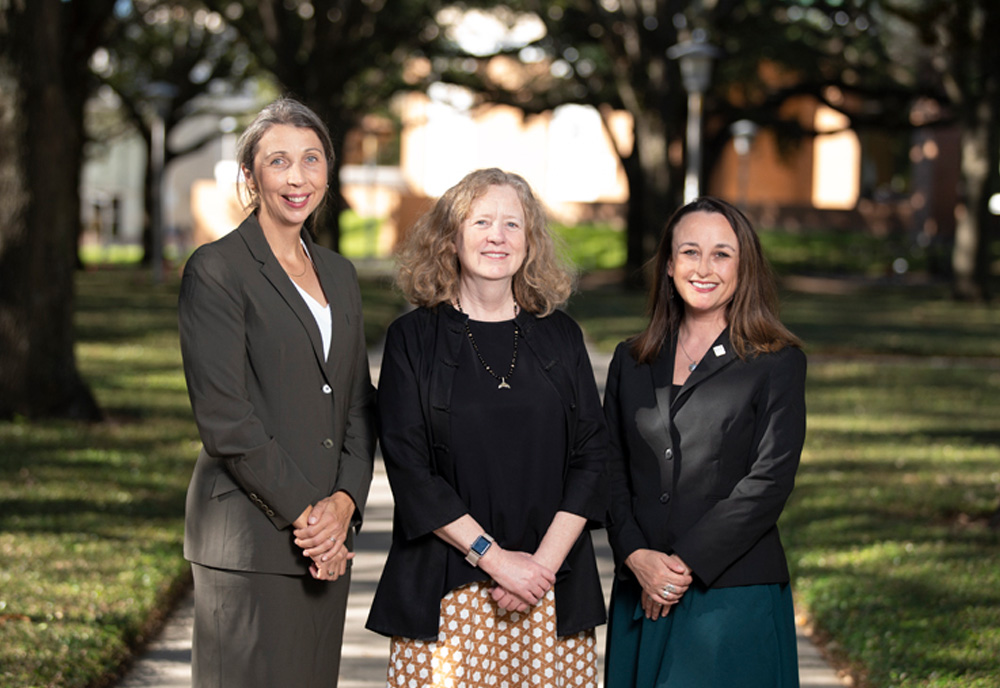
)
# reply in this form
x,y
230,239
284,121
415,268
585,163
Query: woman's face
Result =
x,y
491,242
704,261
289,175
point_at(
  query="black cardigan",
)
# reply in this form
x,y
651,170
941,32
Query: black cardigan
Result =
x,y
705,474
418,369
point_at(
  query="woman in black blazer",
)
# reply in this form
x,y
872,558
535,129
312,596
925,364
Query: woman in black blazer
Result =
x,y
277,371
495,447
706,414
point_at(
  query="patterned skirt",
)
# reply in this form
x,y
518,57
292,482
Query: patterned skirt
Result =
x,y
480,645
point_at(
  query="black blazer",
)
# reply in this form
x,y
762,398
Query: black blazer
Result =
x,y
705,476
415,383
281,427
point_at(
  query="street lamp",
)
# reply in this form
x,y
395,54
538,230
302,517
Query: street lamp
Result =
x,y
695,57
158,95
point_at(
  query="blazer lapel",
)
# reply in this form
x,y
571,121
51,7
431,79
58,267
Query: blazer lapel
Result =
x,y
654,423
253,235
340,315
718,356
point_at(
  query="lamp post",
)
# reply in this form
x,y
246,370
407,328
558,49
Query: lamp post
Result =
x,y
158,95
695,57
743,132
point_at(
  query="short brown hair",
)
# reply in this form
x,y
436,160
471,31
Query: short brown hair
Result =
x,y
752,313
428,268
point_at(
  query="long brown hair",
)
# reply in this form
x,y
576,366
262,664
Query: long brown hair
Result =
x,y
752,313
428,268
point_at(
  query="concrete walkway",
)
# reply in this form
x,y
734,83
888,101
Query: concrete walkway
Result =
x,y
167,661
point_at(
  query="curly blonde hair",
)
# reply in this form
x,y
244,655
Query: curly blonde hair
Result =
x,y
428,267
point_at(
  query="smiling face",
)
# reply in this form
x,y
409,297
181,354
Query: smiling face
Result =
x,y
491,242
289,175
704,262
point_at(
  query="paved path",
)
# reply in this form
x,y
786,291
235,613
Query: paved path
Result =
x,y
167,662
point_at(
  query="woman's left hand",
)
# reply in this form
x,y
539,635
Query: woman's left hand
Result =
x,y
653,609
324,539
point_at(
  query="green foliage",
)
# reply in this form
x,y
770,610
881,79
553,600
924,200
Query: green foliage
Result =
x,y
592,247
91,516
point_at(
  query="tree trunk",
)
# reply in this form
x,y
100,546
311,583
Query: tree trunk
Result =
x,y
970,261
650,201
41,126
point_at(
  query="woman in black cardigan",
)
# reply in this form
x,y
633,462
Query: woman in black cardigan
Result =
x,y
706,415
495,447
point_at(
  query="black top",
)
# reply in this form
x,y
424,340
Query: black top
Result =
x,y
509,445
430,389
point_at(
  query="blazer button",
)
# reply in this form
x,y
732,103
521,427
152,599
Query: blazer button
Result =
x,y
669,453
328,443
327,389
664,498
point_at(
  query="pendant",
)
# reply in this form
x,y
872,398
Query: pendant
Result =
x,y
692,367
503,384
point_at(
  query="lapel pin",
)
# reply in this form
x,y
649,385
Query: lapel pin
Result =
x,y
719,350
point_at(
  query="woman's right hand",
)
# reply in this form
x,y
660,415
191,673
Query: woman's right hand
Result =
x,y
664,579
521,580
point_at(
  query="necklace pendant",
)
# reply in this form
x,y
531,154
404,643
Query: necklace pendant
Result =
x,y
692,367
503,384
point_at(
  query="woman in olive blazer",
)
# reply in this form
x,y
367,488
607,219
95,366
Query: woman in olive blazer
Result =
x,y
281,394
706,416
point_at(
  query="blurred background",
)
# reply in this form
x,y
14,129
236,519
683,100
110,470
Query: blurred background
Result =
x,y
862,137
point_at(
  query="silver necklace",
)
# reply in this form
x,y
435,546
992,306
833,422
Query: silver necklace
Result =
x,y
513,360
693,364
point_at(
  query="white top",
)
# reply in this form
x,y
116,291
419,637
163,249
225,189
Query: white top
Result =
x,y
321,313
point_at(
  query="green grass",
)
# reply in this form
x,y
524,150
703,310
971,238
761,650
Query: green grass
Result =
x,y
886,529
91,516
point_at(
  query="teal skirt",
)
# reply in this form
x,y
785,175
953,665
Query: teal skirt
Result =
x,y
719,638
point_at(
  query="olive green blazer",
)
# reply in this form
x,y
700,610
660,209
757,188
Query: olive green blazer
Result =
x,y
281,427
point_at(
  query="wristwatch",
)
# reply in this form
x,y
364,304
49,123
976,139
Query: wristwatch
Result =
x,y
478,549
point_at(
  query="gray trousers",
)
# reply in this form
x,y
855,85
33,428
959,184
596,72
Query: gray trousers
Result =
x,y
261,630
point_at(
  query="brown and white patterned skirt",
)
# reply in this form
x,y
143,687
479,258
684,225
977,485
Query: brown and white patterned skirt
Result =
x,y
480,645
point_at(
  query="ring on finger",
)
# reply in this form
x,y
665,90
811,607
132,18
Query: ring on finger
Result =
x,y
668,589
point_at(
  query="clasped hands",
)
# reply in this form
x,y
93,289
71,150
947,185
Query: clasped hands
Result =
x,y
522,579
664,579
321,532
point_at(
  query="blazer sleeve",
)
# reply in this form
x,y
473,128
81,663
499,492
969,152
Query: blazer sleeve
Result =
x,y
585,491
213,346
734,524
354,475
624,533
424,500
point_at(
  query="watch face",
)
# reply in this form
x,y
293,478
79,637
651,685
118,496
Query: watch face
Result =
x,y
480,545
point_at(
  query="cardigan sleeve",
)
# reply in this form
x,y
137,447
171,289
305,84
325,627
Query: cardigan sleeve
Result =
x,y
424,500
213,346
585,491
624,533
734,524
